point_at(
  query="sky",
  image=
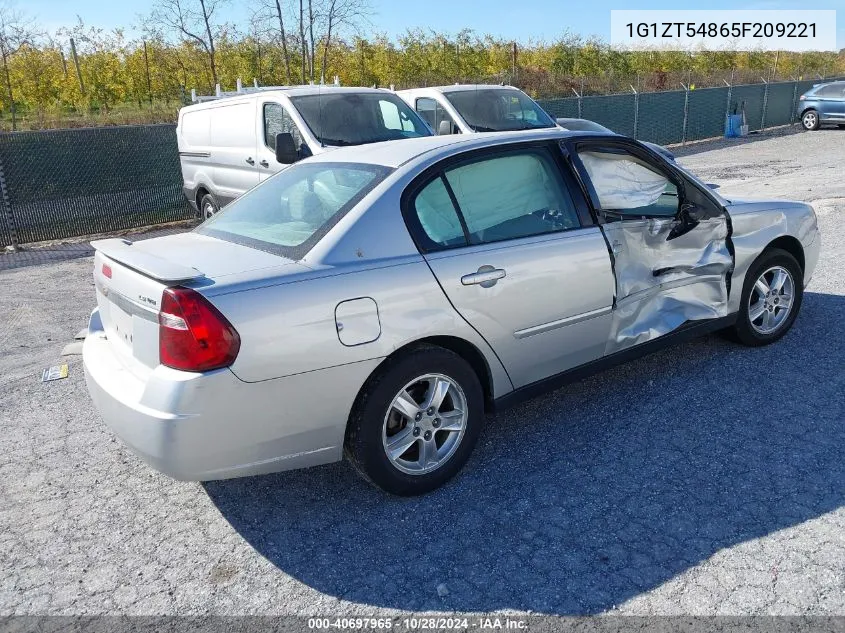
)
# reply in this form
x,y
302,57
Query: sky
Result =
x,y
512,19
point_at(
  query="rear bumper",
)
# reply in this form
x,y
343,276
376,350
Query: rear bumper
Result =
x,y
205,426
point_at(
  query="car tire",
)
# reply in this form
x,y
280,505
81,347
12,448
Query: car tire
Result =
x,y
810,120
208,207
384,419
760,321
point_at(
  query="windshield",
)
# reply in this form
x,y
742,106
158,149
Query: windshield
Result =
x,y
290,212
498,110
355,119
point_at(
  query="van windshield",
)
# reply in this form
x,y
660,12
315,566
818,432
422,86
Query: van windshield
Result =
x,y
499,110
357,118
291,211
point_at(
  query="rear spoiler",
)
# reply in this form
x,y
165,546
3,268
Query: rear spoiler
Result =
x,y
126,253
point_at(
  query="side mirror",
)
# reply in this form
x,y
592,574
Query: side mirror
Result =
x,y
445,128
286,152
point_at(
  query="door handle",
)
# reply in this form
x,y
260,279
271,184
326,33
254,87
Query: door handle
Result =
x,y
250,161
486,277
264,163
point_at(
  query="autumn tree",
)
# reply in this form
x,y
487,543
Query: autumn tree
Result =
x,y
16,32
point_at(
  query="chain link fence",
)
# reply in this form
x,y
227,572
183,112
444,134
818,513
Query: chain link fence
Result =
x,y
57,184
689,114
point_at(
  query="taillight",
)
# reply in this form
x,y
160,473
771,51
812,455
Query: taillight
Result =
x,y
192,334
106,271
802,97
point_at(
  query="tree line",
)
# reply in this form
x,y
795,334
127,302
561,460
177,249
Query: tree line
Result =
x,y
81,70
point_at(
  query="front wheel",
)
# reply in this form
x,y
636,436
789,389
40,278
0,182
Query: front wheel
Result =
x,y
771,298
208,206
416,421
810,120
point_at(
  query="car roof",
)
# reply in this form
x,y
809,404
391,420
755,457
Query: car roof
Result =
x,y
394,154
290,91
460,88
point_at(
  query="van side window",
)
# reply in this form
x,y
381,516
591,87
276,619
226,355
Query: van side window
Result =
x,y
434,113
276,121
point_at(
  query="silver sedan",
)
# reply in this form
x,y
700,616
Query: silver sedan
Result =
x,y
377,301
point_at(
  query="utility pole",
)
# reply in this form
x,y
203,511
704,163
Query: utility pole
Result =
x,y
147,67
76,63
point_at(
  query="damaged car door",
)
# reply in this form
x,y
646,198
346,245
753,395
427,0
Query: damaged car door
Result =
x,y
668,237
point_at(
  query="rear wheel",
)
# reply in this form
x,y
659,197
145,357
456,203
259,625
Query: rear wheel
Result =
x,y
208,206
771,298
810,120
416,421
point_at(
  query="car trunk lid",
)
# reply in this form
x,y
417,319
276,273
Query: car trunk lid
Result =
x,y
130,278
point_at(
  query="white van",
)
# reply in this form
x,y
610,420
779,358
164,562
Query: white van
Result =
x,y
228,145
470,108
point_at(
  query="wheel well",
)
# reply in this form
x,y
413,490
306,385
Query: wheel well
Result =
x,y
791,245
466,350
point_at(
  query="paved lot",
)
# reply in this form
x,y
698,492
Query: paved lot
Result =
x,y
706,479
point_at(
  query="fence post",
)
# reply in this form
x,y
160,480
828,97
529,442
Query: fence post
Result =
x,y
686,114
636,110
7,211
765,104
728,105
794,109
579,102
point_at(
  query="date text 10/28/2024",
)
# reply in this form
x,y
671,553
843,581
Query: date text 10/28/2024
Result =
x,y
421,623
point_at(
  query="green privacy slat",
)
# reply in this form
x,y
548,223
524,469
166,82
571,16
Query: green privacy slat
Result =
x,y
707,109
613,111
564,107
64,183
661,117
780,106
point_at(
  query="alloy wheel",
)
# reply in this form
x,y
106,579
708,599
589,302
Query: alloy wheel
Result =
x,y
771,300
424,424
809,120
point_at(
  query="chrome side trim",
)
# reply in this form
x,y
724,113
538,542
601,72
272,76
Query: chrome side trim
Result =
x,y
553,325
196,154
128,305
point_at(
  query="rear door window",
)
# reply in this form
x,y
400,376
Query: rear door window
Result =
x,y
513,195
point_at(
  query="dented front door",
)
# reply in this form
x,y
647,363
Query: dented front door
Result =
x,y
669,241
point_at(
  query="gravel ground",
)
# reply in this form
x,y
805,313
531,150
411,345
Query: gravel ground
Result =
x,y
705,479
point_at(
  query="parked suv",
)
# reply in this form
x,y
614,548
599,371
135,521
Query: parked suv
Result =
x,y
228,145
823,103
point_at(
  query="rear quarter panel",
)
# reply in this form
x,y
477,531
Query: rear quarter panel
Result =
x,y
291,328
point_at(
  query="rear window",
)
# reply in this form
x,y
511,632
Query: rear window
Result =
x,y
290,212
357,118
